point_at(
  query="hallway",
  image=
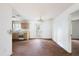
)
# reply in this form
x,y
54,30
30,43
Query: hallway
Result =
x,y
37,47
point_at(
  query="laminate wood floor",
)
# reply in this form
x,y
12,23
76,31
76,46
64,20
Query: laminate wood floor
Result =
x,y
75,47
41,47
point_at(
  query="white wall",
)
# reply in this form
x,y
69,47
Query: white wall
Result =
x,y
62,28
75,15
46,31
5,25
75,29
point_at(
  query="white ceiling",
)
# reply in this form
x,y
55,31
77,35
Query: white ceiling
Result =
x,y
35,10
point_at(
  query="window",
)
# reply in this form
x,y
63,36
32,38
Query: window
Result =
x,y
16,26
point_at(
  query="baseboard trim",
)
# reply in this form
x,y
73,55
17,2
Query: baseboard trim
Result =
x,y
42,38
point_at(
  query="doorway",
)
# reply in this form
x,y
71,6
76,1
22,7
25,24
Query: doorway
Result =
x,y
75,32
